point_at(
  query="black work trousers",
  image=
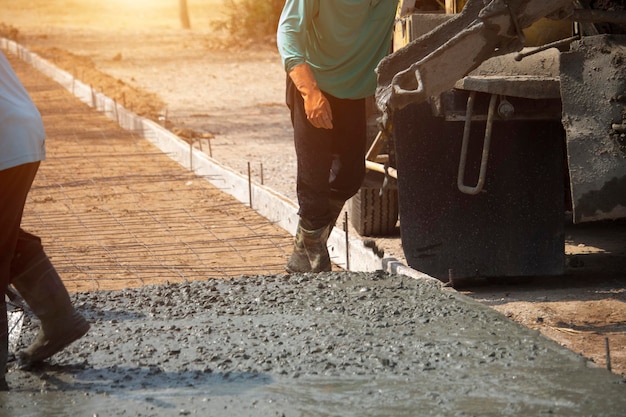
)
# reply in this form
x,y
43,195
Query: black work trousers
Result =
x,y
15,184
331,162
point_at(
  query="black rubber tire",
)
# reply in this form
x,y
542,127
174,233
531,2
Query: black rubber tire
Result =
x,y
373,214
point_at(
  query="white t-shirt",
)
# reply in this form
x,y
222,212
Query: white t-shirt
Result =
x,y
22,135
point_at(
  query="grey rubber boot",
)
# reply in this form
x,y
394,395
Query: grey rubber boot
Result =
x,y
316,249
41,287
310,253
298,261
4,346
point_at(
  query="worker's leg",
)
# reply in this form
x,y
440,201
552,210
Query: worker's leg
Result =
x,y
37,281
331,168
348,148
331,163
14,186
314,157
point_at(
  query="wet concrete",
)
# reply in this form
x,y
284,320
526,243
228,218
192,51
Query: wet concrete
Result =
x,y
336,344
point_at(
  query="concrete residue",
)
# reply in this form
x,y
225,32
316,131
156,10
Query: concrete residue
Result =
x,y
592,80
341,344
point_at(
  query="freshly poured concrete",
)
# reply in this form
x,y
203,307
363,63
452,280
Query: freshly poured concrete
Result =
x,y
336,344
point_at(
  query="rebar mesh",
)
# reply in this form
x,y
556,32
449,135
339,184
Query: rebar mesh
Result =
x,y
113,211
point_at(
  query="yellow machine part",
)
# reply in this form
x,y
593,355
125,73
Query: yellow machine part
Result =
x,y
541,32
454,6
546,30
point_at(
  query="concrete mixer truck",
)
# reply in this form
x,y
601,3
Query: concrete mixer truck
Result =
x,y
499,122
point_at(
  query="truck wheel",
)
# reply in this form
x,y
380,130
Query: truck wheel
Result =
x,y
373,214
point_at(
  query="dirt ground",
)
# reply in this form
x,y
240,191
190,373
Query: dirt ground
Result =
x,y
231,97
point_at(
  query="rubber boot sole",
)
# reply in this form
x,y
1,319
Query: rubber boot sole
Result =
x,y
45,346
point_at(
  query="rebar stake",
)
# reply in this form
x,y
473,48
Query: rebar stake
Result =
x,y
117,116
191,154
262,179
608,354
249,185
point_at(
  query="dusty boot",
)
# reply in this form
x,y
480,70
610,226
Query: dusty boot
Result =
x,y
316,250
4,346
299,261
38,283
310,253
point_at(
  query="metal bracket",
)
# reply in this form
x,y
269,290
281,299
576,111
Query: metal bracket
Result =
x,y
486,144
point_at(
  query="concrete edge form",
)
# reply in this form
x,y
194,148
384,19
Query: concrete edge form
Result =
x,y
268,203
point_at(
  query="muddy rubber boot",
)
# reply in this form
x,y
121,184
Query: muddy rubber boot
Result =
x,y
298,261
41,287
316,250
4,346
310,253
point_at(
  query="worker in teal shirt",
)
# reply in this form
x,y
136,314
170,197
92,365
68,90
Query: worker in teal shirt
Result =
x,y
330,49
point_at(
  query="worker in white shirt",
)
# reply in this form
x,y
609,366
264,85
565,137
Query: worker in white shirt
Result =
x,y
23,262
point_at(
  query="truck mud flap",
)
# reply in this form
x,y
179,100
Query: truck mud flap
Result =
x,y
512,229
593,92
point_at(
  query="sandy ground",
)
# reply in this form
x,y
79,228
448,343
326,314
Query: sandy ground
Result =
x,y
234,98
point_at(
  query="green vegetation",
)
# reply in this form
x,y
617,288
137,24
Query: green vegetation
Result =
x,y
251,20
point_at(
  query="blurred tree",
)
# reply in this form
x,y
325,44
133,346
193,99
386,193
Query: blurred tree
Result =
x,y
251,20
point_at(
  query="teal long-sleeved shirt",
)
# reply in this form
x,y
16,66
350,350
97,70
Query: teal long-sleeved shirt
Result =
x,y
342,41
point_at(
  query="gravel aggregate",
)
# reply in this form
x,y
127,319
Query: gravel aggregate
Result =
x,y
339,343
